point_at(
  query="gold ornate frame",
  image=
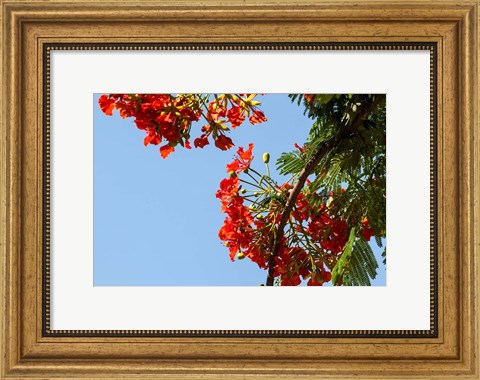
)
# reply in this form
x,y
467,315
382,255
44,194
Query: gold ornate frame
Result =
x,y
29,26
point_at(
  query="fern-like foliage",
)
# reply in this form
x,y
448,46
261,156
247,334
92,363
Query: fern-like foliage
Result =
x,y
355,163
357,265
290,163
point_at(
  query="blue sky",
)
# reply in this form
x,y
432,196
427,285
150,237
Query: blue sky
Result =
x,y
156,220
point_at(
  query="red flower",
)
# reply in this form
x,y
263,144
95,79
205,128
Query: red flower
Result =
x,y
320,276
235,116
310,98
144,124
187,144
236,231
106,104
257,117
201,141
215,111
366,231
161,101
302,208
331,234
151,138
223,142
300,148
242,161
170,132
314,281
228,194
245,156
189,114
166,150
295,279
335,237
126,107
327,276
168,119
228,187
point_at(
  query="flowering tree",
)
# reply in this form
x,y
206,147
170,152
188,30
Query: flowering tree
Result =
x,y
317,225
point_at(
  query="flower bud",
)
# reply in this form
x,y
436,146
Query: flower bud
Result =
x,y
240,256
266,157
233,174
243,191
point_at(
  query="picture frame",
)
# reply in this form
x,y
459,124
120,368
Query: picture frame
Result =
x,y
29,351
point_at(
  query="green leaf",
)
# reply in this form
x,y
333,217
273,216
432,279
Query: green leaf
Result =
x,y
290,163
337,272
363,264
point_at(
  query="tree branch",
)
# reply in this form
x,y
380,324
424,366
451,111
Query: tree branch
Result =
x,y
321,153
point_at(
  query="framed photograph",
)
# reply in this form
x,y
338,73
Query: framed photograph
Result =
x,y
204,189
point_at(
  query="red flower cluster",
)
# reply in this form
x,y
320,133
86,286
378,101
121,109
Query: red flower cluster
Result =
x,y
250,234
161,116
240,231
294,263
169,118
228,108
237,232
330,233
